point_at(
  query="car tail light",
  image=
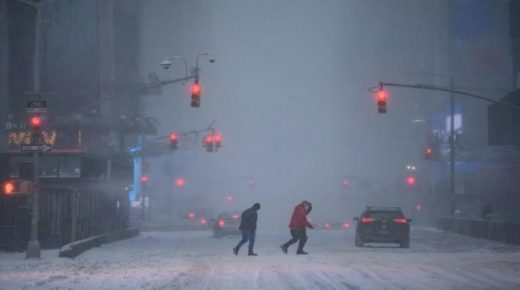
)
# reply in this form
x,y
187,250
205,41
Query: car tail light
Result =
x,y
221,223
346,226
367,219
400,220
327,226
191,215
236,216
203,221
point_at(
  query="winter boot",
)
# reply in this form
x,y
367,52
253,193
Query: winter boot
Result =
x,y
235,251
284,249
252,254
301,252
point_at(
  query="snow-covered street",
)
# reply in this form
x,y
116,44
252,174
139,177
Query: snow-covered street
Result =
x,y
195,260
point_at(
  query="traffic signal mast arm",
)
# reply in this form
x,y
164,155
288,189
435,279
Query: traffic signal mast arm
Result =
x,y
136,90
167,137
442,89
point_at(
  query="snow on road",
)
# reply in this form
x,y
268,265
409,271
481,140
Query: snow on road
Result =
x,y
194,260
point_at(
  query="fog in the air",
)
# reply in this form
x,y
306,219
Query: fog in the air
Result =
x,y
289,93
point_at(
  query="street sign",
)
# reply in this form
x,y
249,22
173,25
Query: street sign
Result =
x,y
36,106
35,147
15,126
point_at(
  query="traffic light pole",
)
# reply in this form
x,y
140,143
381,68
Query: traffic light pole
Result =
x,y
452,92
452,149
33,248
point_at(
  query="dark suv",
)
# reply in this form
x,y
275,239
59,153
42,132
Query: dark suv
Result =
x,y
383,225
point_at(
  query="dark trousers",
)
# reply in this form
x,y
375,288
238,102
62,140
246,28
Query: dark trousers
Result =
x,y
247,235
297,235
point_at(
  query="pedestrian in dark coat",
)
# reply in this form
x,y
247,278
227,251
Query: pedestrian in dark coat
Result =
x,y
298,226
248,229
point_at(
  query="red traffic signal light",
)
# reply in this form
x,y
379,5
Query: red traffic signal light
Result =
x,y
196,91
410,180
9,188
212,142
144,179
179,182
173,140
428,153
217,138
381,98
36,122
209,142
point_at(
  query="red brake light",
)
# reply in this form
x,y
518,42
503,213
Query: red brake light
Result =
x,y
411,180
191,215
367,219
203,221
327,226
400,220
346,226
221,223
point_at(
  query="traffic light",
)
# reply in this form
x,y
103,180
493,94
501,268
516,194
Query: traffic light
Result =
x,y
180,182
208,142
212,142
217,138
36,122
9,188
144,179
428,153
173,140
345,182
196,91
381,98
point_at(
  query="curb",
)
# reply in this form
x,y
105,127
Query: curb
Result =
x,y
74,249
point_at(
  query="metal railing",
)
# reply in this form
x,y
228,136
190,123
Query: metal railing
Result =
x,y
504,232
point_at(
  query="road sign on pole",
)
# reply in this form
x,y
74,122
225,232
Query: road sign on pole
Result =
x,y
35,147
36,106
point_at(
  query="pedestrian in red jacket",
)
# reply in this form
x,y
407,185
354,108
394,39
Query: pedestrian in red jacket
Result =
x,y
298,226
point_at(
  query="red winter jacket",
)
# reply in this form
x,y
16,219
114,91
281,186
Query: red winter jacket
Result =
x,y
299,218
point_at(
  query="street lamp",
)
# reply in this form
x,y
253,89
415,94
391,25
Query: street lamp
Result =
x,y
166,63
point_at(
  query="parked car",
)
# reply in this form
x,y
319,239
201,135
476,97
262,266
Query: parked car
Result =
x,y
383,225
226,224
